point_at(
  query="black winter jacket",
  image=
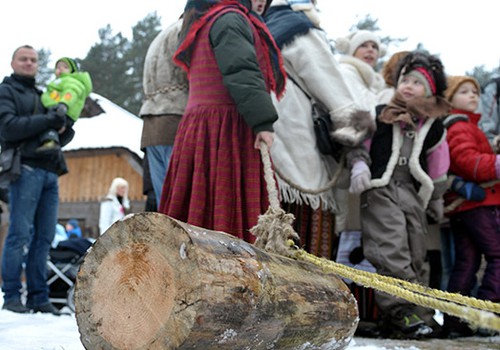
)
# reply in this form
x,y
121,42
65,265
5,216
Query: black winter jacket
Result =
x,y
23,118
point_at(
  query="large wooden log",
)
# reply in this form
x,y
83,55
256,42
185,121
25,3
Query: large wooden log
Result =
x,y
152,282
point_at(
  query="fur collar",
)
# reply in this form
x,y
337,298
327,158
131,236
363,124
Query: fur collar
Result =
x,y
372,79
398,110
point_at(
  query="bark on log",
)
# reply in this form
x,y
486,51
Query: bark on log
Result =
x,y
152,282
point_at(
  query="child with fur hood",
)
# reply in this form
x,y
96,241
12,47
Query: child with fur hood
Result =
x,y
475,224
406,180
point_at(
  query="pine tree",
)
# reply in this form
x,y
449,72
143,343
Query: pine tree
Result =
x,y
107,66
116,63
45,73
143,34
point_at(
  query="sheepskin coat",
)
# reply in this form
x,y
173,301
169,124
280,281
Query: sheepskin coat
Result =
x,y
165,89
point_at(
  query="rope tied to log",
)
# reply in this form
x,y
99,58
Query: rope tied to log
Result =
x,y
275,234
274,227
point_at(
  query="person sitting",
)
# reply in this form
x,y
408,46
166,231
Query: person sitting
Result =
x,y
73,230
59,236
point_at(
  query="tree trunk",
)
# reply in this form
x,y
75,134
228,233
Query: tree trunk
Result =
x,y
152,282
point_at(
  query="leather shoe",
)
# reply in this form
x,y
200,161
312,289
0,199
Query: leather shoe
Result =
x,y
16,306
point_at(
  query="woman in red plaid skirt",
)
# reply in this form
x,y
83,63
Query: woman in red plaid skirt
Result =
x,y
215,179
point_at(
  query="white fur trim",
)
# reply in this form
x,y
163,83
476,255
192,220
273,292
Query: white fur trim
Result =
x,y
365,71
426,183
397,142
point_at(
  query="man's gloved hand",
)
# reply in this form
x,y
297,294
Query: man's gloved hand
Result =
x,y
57,116
61,109
360,177
435,209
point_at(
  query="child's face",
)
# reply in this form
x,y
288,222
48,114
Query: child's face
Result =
x,y
258,6
466,97
61,67
410,87
368,53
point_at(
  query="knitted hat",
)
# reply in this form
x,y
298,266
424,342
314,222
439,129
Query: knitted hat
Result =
x,y
72,64
350,44
454,83
73,222
425,77
427,67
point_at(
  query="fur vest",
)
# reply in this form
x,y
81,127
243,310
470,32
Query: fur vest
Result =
x,y
385,153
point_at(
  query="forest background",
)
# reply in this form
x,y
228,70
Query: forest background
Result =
x,y
116,62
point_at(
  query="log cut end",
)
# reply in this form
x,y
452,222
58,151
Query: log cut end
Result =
x,y
130,286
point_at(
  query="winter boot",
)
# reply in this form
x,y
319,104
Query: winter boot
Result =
x,y
15,305
406,324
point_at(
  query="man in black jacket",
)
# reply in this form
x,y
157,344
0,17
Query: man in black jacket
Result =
x,y
34,196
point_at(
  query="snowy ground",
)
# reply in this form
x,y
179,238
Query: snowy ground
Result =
x,y
48,332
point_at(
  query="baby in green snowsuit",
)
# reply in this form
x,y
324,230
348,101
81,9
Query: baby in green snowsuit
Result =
x,y
67,94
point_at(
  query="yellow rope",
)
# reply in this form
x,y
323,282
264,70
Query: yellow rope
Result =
x,y
479,313
274,230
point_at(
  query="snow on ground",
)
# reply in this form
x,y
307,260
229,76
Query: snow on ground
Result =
x,y
48,332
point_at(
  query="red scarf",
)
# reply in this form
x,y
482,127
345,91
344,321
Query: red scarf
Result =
x,y
274,60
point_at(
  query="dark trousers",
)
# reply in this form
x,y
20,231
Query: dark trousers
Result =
x,y
476,233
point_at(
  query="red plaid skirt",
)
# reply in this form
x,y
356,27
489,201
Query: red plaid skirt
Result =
x,y
215,179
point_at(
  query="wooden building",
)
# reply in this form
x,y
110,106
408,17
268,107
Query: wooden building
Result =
x,y
91,173
104,147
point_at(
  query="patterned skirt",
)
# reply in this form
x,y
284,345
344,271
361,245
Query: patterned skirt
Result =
x,y
316,229
215,179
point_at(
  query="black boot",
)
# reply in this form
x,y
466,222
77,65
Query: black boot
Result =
x,y
16,306
405,324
